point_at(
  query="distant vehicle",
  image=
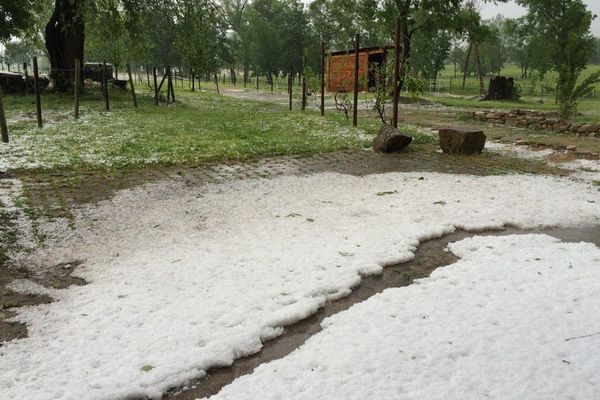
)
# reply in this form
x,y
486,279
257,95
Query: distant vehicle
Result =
x,y
15,83
93,71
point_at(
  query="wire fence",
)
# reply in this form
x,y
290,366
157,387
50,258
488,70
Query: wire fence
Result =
x,y
526,87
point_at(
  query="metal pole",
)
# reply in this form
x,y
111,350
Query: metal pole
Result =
x,y
356,66
36,88
322,78
396,74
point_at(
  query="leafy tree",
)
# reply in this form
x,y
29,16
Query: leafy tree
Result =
x,y
234,16
277,33
64,36
563,26
595,58
18,52
377,18
469,24
106,36
520,46
16,17
431,49
495,51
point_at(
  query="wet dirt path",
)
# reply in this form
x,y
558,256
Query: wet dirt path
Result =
x,y
429,256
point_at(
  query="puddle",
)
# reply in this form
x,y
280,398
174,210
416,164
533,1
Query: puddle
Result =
x,y
429,256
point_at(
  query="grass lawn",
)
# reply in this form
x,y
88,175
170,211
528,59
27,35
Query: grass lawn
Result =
x,y
200,127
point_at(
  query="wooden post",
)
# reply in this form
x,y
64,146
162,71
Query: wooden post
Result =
x,y
105,87
132,87
169,84
217,83
322,78
356,66
168,78
290,86
26,75
36,89
303,82
172,86
396,74
3,127
257,82
155,86
77,87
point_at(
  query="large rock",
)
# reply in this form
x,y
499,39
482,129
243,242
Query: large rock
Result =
x,y
462,140
390,140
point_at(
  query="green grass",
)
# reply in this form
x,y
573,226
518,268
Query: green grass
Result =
x,y
200,127
540,88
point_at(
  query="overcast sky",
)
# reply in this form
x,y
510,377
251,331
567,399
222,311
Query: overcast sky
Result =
x,y
512,10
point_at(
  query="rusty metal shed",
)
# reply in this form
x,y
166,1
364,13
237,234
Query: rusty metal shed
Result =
x,y
340,68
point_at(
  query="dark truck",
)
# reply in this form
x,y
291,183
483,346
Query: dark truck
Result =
x,y
93,71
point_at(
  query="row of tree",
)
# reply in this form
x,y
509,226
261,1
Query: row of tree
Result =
x,y
267,36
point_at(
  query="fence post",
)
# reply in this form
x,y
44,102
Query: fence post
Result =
x,y
290,86
169,84
172,85
396,74
36,89
257,82
155,86
322,78
77,87
356,66
105,87
131,84
304,81
26,75
217,83
3,127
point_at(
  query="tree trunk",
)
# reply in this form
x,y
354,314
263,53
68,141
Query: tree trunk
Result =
x,y
479,70
406,45
466,70
64,37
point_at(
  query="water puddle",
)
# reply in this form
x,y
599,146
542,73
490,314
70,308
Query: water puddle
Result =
x,y
429,256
